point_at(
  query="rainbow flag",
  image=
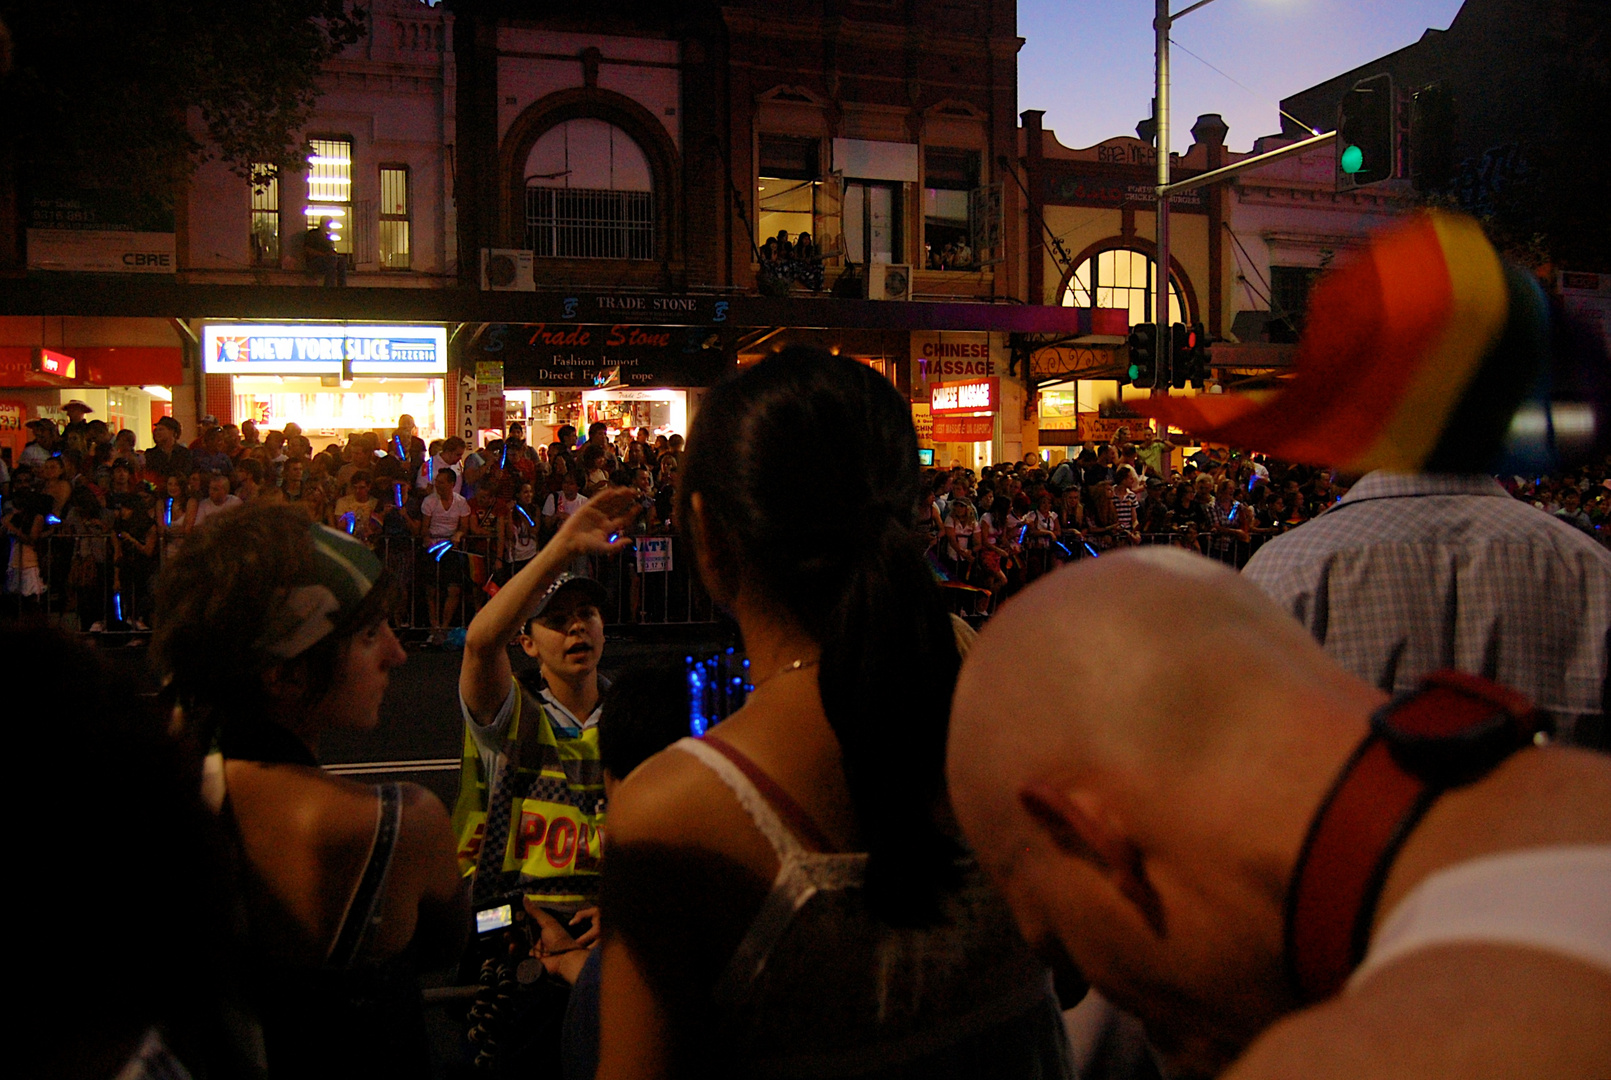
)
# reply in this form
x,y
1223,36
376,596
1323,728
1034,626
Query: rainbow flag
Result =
x,y
1416,356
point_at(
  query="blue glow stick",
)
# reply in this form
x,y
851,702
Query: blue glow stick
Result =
x,y
1063,549
439,549
697,725
503,461
525,515
397,440
117,604
1092,550
397,490
52,519
351,518
614,537
167,515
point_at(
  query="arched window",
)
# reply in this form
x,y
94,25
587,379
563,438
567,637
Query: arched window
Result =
x,y
1121,279
589,194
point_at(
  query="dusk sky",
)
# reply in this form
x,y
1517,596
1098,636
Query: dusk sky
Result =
x,y
1088,63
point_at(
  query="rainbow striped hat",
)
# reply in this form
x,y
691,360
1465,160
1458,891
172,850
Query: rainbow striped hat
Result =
x,y
1425,353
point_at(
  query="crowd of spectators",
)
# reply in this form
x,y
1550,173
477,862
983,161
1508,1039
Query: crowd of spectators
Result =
x,y
1003,527
89,518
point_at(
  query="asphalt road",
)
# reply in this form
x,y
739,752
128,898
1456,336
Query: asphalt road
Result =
x,y
421,730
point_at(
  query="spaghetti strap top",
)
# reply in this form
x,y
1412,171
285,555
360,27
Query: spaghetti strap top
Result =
x,y
820,987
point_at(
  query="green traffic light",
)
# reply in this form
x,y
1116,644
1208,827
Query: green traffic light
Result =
x,y
1135,372
1353,159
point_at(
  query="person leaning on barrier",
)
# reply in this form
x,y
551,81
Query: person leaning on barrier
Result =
x,y
1231,851
271,632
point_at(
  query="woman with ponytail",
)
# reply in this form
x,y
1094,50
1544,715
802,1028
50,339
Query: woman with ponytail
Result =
x,y
788,896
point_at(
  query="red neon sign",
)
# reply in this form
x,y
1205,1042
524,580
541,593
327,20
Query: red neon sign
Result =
x,y
973,396
50,362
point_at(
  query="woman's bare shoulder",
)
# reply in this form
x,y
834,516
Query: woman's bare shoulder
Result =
x,y
656,801
312,804
674,799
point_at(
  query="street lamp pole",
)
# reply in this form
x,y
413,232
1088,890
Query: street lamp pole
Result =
x,y
1165,343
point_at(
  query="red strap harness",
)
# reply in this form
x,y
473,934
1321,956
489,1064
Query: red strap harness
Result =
x,y
1451,730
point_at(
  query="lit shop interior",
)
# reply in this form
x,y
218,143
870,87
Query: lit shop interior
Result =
x,y
332,380
662,411
1075,409
334,412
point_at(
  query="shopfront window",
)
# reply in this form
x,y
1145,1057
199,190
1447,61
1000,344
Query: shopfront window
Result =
x,y
589,194
324,412
395,252
330,189
1121,279
265,223
1057,407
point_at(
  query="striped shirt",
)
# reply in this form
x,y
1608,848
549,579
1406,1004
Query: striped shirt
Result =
x,y
1409,574
1126,504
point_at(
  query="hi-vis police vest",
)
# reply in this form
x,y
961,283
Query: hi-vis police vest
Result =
x,y
542,812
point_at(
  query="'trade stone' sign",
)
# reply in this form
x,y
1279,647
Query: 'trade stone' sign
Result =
x,y
583,356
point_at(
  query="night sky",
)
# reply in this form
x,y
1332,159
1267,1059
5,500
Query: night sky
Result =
x,y
1088,63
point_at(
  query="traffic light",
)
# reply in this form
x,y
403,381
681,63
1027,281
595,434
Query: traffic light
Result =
x,y
1432,139
1196,356
1180,350
1143,371
1365,133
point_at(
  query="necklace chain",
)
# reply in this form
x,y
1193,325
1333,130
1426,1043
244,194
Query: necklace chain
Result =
x,y
797,665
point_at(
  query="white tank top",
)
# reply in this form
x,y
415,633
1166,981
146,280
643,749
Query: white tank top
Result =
x,y
1556,899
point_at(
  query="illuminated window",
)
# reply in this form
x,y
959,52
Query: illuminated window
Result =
x,y
949,177
394,209
589,194
330,189
1121,279
786,185
265,216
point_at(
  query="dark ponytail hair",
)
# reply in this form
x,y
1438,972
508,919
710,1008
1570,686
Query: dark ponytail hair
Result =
x,y
856,581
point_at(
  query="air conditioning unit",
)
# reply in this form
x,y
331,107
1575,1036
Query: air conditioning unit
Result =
x,y
506,270
889,281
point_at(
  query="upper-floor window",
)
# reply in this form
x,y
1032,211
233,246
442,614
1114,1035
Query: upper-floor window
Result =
x,y
1121,278
589,194
949,179
395,252
265,220
1289,300
330,189
787,179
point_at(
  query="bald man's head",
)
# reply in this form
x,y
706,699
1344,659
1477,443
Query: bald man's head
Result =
x,y
1137,744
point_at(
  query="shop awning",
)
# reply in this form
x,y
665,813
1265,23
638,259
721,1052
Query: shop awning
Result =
x,y
86,296
96,365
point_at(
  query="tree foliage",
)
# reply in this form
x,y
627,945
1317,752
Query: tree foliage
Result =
x,y
105,93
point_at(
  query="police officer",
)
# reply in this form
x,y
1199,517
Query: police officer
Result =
x,y
531,796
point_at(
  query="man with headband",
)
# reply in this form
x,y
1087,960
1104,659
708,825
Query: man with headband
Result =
x,y
1278,870
271,632
531,796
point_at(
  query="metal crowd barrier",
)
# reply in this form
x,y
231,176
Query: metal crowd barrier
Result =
x,y
81,586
